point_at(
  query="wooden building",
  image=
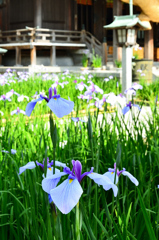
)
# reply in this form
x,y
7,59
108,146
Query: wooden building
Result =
x,y
53,14
90,15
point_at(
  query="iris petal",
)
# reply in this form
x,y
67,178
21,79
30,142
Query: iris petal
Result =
x,y
29,165
125,110
50,172
78,169
111,176
60,106
104,181
135,105
60,164
51,181
131,177
30,106
66,195
75,119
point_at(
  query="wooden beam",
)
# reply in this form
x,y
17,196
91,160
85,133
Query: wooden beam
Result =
x,y
33,55
18,56
53,56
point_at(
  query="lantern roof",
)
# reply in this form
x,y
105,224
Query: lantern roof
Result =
x,y
127,21
2,50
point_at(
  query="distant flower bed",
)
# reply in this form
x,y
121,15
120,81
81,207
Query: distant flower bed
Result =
x,y
85,90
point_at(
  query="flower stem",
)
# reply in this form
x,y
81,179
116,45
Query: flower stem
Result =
x,y
53,133
77,222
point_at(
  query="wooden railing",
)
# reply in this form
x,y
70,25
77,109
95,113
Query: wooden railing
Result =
x,y
91,42
39,35
42,35
48,35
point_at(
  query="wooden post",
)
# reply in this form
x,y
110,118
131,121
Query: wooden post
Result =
x,y
33,55
18,56
104,52
83,35
53,56
38,13
117,11
75,27
149,44
0,59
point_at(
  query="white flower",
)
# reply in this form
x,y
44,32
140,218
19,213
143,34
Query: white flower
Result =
x,y
21,98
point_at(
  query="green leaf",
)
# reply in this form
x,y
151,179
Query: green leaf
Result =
x,y
146,217
90,232
101,225
117,230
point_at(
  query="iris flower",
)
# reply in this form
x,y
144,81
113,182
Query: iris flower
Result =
x,y
128,107
13,151
21,98
32,165
17,111
80,86
111,175
77,119
121,99
61,84
11,92
67,194
58,105
93,89
133,89
4,98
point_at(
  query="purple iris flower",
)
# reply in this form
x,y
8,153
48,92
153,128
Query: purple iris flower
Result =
x,y
111,175
77,119
13,151
67,194
61,84
31,165
99,103
80,86
11,92
93,88
133,89
58,105
128,107
106,79
4,98
17,111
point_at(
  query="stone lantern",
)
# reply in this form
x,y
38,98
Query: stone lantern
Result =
x,y
126,28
